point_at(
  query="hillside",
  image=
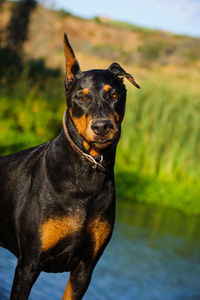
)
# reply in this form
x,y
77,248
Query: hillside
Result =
x,y
99,40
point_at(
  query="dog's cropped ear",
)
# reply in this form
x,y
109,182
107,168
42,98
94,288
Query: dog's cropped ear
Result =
x,y
72,65
117,70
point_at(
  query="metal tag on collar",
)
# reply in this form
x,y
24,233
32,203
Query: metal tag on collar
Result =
x,y
91,159
96,164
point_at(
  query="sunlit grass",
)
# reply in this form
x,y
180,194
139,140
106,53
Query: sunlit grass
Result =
x,y
28,123
161,130
135,186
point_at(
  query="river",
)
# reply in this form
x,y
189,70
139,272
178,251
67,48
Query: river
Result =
x,y
154,254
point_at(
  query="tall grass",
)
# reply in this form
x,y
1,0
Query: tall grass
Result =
x,y
30,115
161,130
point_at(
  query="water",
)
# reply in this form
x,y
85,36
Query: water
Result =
x,y
154,255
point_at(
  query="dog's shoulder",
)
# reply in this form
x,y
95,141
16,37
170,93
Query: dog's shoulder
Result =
x,y
15,167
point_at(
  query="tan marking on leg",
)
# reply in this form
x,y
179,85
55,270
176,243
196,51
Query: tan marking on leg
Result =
x,y
70,291
68,294
55,229
99,231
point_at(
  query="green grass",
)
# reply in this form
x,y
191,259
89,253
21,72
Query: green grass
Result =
x,y
124,25
30,114
161,130
145,188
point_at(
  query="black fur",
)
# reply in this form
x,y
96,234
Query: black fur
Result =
x,y
51,184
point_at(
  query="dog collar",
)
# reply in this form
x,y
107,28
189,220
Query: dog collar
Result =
x,y
85,156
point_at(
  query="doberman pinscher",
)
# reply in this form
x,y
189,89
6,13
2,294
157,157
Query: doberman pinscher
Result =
x,y
57,200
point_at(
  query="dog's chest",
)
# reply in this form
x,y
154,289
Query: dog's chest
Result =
x,y
66,240
55,229
74,230
83,231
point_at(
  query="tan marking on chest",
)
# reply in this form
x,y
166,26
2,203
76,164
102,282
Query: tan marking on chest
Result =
x,y
99,230
55,229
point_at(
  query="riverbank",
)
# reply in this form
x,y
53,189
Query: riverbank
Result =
x,y
145,188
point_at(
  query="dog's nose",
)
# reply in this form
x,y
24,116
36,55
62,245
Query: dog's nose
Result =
x,y
102,127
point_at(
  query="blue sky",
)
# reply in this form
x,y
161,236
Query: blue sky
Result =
x,y
179,16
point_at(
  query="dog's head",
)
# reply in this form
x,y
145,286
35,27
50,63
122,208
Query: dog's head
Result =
x,y
96,101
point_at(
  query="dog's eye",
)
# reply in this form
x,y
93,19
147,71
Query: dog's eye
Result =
x,y
114,95
81,97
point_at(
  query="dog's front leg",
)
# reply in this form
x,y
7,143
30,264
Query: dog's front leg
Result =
x,y
26,273
78,282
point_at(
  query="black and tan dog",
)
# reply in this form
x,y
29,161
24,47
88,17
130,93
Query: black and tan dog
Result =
x,y
57,200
